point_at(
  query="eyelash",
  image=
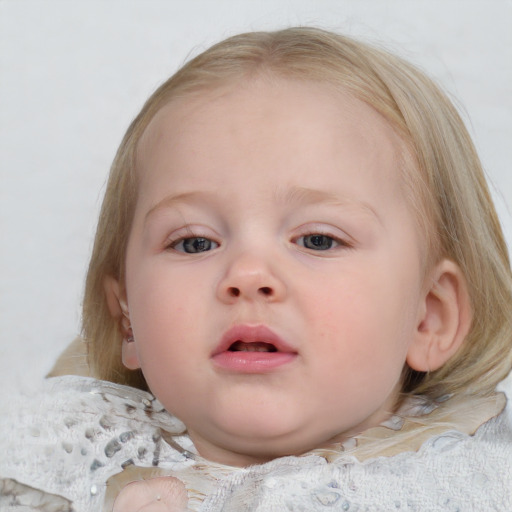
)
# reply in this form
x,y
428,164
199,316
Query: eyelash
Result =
x,y
332,242
324,242
197,240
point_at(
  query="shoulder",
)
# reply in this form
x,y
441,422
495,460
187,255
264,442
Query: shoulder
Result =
x,y
68,437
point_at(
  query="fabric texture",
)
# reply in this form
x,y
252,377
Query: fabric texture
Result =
x,y
77,441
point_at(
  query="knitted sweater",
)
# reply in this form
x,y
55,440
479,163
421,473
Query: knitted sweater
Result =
x,y
77,441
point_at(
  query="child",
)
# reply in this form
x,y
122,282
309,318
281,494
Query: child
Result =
x,y
298,256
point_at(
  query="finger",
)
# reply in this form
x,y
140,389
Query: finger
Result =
x,y
157,506
169,491
164,494
134,497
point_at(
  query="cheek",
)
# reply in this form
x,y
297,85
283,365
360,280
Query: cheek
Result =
x,y
162,312
161,290
361,320
360,351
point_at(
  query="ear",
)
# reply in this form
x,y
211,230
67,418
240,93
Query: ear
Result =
x,y
116,297
444,319
118,307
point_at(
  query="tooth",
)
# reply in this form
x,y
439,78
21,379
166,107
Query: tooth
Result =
x,y
241,346
253,348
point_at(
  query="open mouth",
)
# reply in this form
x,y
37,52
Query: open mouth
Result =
x,y
255,346
252,349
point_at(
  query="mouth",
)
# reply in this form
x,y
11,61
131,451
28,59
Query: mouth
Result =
x,y
252,349
252,338
257,346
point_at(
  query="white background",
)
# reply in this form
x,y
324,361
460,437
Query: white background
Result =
x,y
74,73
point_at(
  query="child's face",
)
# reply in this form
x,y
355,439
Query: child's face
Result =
x,y
271,217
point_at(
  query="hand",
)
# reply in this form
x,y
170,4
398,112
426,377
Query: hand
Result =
x,y
163,494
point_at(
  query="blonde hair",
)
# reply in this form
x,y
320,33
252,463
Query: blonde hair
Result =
x,y
442,177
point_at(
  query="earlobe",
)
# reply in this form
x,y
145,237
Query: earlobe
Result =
x,y
444,319
129,354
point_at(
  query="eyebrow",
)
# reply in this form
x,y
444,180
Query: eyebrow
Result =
x,y
294,196
172,200
304,195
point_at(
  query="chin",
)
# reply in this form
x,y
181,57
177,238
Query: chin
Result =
x,y
269,443
266,429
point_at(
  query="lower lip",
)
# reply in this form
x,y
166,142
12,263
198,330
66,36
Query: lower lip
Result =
x,y
252,362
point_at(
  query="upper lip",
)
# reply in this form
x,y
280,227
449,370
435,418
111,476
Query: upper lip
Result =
x,y
252,334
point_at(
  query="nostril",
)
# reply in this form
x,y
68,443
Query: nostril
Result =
x,y
234,292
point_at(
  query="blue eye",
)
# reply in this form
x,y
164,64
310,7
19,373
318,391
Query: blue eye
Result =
x,y
318,242
194,245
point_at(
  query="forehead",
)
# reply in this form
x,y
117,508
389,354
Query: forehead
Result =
x,y
259,111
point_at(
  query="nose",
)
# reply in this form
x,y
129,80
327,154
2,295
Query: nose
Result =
x,y
250,277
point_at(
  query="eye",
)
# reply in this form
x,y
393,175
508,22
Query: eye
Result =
x,y
194,245
319,242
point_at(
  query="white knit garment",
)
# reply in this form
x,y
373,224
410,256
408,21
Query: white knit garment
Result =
x,y
59,446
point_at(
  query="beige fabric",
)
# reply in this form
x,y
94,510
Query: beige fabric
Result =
x,y
73,361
